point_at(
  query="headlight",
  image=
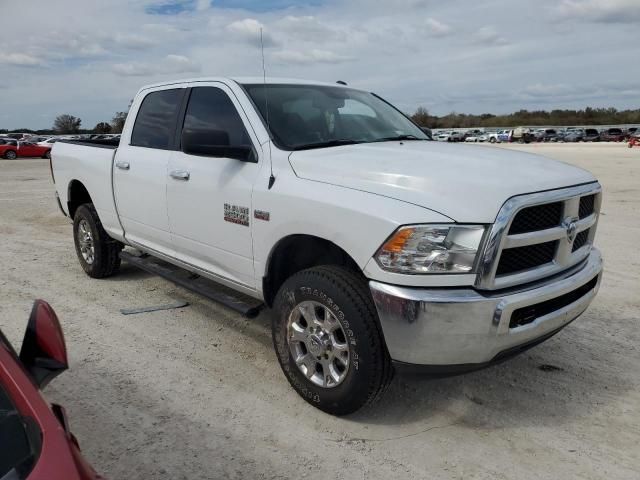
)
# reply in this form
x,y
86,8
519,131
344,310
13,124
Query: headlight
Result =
x,y
431,249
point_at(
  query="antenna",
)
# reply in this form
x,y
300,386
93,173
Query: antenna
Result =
x,y
272,179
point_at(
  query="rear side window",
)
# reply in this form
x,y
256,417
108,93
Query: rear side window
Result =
x,y
211,110
156,120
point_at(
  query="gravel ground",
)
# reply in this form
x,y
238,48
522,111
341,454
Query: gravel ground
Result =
x,y
197,392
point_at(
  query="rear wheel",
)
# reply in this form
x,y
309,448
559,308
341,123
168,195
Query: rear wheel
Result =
x,y
47,154
328,341
10,155
99,254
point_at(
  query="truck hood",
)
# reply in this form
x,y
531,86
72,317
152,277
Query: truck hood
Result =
x,y
466,183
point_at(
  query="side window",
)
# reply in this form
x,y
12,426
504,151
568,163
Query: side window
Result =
x,y
156,120
211,112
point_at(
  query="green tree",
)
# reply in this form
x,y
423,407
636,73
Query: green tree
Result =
x,y
102,127
66,124
422,117
117,122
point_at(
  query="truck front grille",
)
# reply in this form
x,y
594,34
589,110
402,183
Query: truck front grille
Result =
x,y
587,206
535,218
522,258
539,235
581,240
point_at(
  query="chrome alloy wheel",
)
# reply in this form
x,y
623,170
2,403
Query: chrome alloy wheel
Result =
x,y
85,241
318,344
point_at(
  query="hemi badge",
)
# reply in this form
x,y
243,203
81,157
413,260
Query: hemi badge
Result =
x,y
261,215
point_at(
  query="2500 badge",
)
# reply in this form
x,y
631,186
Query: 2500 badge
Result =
x,y
236,214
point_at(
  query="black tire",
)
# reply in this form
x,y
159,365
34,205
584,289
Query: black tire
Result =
x,y
347,296
10,155
493,140
47,154
106,251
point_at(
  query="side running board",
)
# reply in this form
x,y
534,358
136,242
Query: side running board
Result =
x,y
241,303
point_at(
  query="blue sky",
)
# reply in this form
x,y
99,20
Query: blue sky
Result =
x,y
88,58
176,7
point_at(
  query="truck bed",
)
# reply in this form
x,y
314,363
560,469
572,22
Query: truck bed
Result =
x,y
87,164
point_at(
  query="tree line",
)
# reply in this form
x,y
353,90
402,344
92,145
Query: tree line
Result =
x,y
70,124
587,116
66,124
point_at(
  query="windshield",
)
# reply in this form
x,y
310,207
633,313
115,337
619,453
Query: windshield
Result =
x,y
316,116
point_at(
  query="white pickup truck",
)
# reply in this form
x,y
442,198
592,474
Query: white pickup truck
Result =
x,y
377,249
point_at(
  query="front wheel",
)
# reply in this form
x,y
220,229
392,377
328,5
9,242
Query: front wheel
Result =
x,y
99,254
10,155
328,341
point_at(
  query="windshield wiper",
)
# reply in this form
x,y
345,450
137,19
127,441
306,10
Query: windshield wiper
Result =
x,y
398,137
328,143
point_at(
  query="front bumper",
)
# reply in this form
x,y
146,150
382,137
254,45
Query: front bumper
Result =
x,y
467,328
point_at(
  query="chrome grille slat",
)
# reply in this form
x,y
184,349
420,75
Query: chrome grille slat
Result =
x,y
580,207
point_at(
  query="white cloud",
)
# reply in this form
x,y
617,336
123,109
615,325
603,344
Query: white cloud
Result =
x,y
438,29
19,59
174,64
248,30
493,57
309,56
133,40
308,27
606,11
488,35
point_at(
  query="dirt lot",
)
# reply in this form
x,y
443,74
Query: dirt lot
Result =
x,y
197,392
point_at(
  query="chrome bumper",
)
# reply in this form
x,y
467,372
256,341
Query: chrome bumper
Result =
x,y
465,326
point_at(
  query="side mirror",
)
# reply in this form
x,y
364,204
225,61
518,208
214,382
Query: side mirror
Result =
x,y
215,143
43,352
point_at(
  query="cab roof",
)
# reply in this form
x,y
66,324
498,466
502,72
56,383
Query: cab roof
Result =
x,y
245,80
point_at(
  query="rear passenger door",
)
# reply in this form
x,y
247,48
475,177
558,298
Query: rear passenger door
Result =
x,y
140,170
209,198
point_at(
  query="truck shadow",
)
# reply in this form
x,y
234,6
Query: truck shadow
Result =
x,y
568,377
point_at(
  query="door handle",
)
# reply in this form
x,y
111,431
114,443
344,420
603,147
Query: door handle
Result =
x,y
180,174
122,165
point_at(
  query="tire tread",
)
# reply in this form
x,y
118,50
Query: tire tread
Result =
x,y
110,259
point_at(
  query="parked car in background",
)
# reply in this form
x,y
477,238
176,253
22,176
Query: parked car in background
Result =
x,y
443,137
8,141
499,136
35,440
457,137
30,149
472,138
591,135
9,149
18,136
48,142
548,135
476,137
634,140
575,135
612,135
521,135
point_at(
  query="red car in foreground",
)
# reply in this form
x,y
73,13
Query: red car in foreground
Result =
x,y
35,441
23,149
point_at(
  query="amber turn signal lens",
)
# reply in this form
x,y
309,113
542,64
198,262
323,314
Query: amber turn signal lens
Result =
x,y
396,243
